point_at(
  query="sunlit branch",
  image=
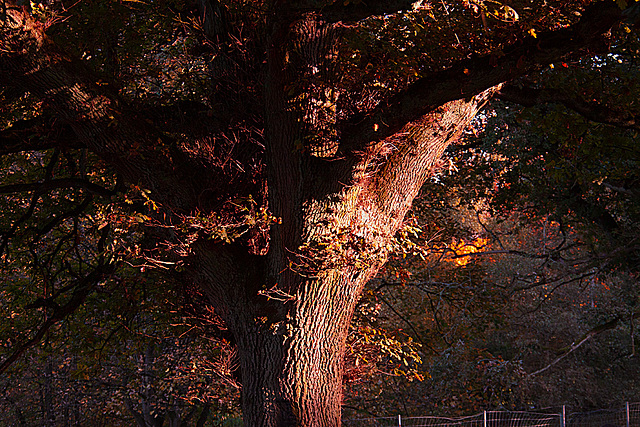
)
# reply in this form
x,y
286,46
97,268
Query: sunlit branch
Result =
x,y
594,111
514,252
575,345
470,77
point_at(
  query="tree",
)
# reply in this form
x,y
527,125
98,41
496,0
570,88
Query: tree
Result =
x,y
549,189
274,176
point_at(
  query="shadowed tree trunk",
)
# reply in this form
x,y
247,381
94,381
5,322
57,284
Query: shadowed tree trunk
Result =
x,y
291,333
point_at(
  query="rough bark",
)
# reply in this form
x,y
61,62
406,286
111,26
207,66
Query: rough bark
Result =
x,y
291,335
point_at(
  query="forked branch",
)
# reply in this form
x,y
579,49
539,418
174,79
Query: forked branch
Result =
x,y
594,111
472,76
82,289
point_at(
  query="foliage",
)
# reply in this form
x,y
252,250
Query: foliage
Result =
x,y
96,342
540,205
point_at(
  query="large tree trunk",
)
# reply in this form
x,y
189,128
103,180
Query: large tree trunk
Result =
x,y
292,370
291,359
290,309
291,324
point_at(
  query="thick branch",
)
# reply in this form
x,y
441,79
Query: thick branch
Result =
x,y
29,135
29,60
416,151
593,111
43,187
476,74
357,11
213,20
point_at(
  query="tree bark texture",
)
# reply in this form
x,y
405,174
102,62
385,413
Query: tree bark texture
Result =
x,y
291,335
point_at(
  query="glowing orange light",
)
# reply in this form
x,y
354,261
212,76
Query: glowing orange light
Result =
x,y
462,249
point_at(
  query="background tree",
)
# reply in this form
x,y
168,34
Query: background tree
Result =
x,y
275,148
523,217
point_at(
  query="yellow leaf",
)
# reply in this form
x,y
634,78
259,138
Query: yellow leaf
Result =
x,y
532,32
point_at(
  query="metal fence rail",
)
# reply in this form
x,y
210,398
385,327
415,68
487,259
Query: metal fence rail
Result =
x,y
627,416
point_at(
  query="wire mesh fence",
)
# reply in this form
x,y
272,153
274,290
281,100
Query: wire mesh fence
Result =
x,y
626,416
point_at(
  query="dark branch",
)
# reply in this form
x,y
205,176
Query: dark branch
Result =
x,y
357,11
35,135
213,19
593,111
576,344
7,235
101,120
58,219
80,293
56,184
404,319
470,77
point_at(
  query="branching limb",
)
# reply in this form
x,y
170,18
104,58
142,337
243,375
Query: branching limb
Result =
x,y
58,219
35,135
7,235
405,320
99,118
472,76
576,344
593,111
82,289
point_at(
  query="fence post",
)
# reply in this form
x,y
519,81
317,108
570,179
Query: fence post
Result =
x,y
628,414
400,420
563,420
484,419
